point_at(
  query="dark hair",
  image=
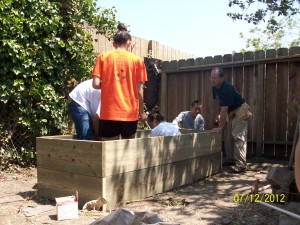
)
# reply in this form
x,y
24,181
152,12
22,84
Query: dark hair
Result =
x,y
122,35
219,70
156,115
195,102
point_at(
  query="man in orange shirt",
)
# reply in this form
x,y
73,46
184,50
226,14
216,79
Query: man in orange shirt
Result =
x,y
120,74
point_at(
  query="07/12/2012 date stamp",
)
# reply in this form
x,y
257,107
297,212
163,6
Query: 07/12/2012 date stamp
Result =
x,y
263,197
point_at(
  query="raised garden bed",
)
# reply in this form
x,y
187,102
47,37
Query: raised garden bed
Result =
x,y
125,170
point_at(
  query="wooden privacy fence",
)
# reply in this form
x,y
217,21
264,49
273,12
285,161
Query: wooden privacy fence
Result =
x,y
268,80
140,47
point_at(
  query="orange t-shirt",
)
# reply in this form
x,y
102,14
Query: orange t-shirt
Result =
x,y
119,72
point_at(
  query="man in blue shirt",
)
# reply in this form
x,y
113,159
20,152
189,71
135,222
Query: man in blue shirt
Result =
x,y
233,120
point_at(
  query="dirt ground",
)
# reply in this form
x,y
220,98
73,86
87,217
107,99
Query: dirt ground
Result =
x,y
207,201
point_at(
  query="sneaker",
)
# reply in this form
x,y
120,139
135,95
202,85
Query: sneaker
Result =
x,y
227,164
237,169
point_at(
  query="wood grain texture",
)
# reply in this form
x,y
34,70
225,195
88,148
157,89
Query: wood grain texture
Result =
x,y
124,170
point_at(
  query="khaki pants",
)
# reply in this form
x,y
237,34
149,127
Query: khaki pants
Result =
x,y
235,141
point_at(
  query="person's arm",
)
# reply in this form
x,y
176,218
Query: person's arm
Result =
x,y
222,116
96,82
199,122
143,115
177,121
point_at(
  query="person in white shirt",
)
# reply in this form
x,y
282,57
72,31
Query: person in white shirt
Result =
x,y
159,126
84,107
191,119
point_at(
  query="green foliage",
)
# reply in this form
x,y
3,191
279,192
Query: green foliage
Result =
x,y
288,35
42,47
270,11
24,157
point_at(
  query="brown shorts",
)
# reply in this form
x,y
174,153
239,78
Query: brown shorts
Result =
x,y
111,128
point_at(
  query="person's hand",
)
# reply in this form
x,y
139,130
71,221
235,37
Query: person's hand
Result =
x,y
143,117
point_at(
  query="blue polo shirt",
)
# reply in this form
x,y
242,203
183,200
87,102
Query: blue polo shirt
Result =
x,y
227,95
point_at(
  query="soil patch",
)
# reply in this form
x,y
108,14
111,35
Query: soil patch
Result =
x,y
207,201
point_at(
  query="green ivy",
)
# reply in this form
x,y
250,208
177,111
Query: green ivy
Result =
x,y
42,48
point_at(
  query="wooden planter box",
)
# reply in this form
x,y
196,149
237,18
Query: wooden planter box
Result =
x,y
124,170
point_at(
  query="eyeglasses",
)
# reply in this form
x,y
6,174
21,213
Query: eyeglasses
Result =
x,y
214,78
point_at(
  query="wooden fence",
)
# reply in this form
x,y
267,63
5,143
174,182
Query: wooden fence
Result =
x,y
140,47
268,80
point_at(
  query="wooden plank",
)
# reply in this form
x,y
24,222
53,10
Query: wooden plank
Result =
x,y
148,152
140,184
206,93
190,131
208,102
144,48
165,53
190,62
113,157
156,50
282,94
140,133
135,46
182,63
259,109
199,61
194,91
140,47
181,102
170,155
294,50
65,165
198,78
238,74
164,95
218,59
172,103
270,103
68,147
259,112
293,99
69,181
68,136
228,71
208,60
249,95
95,40
77,156
182,98
53,183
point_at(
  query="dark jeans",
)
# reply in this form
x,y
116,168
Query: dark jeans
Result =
x,y
83,121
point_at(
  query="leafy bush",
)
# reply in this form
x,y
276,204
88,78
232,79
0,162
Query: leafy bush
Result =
x,y
43,52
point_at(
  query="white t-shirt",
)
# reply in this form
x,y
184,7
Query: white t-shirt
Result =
x,y
87,97
165,129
